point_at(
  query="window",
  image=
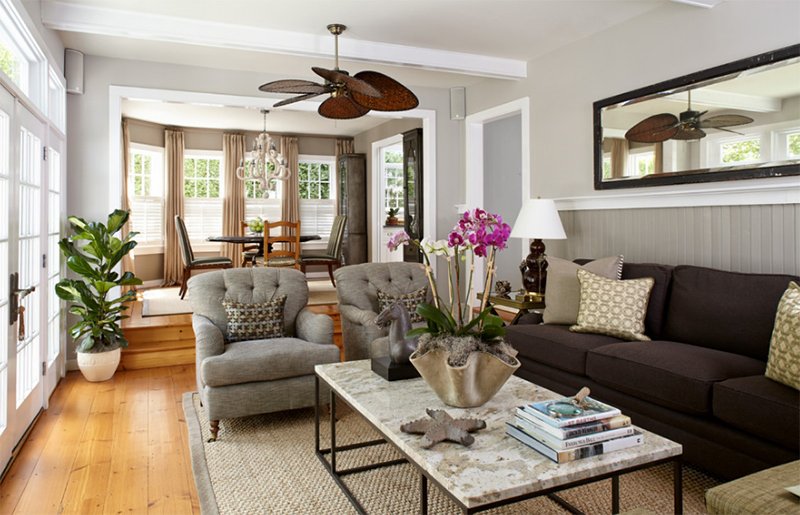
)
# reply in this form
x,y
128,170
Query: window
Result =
x,y
21,58
793,145
644,163
202,194
607,165
392,173
146,190
315,176
265,204
741,150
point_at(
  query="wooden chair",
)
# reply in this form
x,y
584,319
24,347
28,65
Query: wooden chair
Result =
x,y
332,256
249,252
194,263
282,249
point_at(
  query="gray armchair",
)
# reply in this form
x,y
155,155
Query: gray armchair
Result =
x,y
357,289
237,379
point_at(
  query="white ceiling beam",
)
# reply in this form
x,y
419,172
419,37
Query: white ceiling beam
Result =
x,y
139,25
706,4
725,99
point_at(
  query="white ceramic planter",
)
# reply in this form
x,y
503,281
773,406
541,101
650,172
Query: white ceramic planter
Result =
x,y
98,366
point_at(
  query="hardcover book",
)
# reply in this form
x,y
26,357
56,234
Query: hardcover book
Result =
x,y
560,444
578,453
587,428
565,412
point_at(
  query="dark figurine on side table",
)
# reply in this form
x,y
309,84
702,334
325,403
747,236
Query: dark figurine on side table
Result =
x,y
396,365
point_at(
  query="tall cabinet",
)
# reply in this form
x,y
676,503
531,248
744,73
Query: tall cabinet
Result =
x,y
352,199
412,192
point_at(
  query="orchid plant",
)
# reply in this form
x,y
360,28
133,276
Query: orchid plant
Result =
x,y
477,234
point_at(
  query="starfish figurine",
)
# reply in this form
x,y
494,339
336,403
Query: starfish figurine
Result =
x,y
441,427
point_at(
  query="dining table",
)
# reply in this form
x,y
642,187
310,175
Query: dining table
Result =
x,y
255,239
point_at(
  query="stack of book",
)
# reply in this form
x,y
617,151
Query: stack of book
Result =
x,y
564,432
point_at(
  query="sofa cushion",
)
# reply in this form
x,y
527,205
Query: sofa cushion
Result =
x,y
671,374
555,345
728,311
265,360
783,364
760,406
563,292
656,307
613,307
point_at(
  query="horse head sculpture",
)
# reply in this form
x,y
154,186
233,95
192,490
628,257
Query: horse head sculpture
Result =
x,y
399,322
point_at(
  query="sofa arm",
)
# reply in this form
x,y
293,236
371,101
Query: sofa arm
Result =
x,y
209,340
314,327
531,318
358,331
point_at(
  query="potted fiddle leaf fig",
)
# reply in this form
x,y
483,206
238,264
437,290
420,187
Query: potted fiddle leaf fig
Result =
x,y
92,252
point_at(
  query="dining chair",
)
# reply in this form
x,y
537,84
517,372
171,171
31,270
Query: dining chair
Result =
x,y
331,256
190,262
249,252
283,248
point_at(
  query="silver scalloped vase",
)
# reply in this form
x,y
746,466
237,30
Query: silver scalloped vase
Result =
x,y
468,386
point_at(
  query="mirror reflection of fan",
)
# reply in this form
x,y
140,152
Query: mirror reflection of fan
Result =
x,y
351,97
661,127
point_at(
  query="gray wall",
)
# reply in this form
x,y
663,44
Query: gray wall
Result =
x,y
502,164
562,86
755,239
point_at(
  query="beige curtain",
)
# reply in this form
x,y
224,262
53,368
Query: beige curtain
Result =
x,y
233,150
619,157
173,196
343,146
128,261
290,203
658,158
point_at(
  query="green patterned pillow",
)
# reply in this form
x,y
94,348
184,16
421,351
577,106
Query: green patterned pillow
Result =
x,y
409,300
254,321
613,307
783,363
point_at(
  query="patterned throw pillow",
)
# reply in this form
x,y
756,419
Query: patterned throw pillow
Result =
x,y
563,291
783,363
612,307
409,300
254,321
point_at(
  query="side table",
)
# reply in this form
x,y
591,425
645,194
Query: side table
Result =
x,y
523,307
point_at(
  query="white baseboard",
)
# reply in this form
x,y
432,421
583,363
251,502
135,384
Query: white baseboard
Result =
x,y
72,364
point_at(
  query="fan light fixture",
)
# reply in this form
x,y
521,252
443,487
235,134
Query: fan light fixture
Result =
x,y
264,152
350,97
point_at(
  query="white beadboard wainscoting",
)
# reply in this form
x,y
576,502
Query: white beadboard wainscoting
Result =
x,y
743,238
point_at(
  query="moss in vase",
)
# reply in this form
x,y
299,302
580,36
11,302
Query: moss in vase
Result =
x,y
460,347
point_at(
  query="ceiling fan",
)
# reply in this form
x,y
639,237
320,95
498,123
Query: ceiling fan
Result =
x,y
350,97
664,126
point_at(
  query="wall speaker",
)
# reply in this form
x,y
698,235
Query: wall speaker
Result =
x,y
458,103
73,71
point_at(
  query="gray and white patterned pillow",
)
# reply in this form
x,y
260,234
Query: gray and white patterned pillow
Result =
x,y
783,363
409,300
254,321
613,307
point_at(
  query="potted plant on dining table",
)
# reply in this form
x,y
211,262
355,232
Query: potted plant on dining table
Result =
x,y
461,352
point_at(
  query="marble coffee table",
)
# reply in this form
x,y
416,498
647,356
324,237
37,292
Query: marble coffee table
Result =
x,y
496,469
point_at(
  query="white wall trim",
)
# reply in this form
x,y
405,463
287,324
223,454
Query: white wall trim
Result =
x,y
474,156
783,190
141,25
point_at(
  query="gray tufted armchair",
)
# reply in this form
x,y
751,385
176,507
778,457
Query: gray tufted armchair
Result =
x,y
357,289
236,379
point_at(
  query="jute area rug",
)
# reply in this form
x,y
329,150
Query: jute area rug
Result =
x,y
266,464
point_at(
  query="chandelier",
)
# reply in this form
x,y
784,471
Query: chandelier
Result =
x,y
263,154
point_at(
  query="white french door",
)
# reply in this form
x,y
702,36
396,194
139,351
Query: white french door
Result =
x,y
30,321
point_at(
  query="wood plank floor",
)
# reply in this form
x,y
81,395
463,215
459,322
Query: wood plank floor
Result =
x,y
114,447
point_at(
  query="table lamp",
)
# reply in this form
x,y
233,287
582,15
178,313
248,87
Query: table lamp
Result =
x,y
537,220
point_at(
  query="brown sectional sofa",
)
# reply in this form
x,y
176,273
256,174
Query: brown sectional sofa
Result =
x,y
700,381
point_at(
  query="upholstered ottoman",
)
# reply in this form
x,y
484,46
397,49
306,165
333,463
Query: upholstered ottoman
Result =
x,y
763,492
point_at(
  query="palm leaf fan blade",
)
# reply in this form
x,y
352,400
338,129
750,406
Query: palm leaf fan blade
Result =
x,y
292,100
654,129
394,96
352,84
341,107
294,86
724,120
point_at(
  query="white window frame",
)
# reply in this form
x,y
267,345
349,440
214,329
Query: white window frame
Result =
x,y
151,247
202,245
317,204
15,35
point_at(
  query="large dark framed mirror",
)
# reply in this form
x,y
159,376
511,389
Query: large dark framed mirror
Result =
x,y
740,120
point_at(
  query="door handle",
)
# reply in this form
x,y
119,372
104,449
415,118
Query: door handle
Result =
x,y
17,294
